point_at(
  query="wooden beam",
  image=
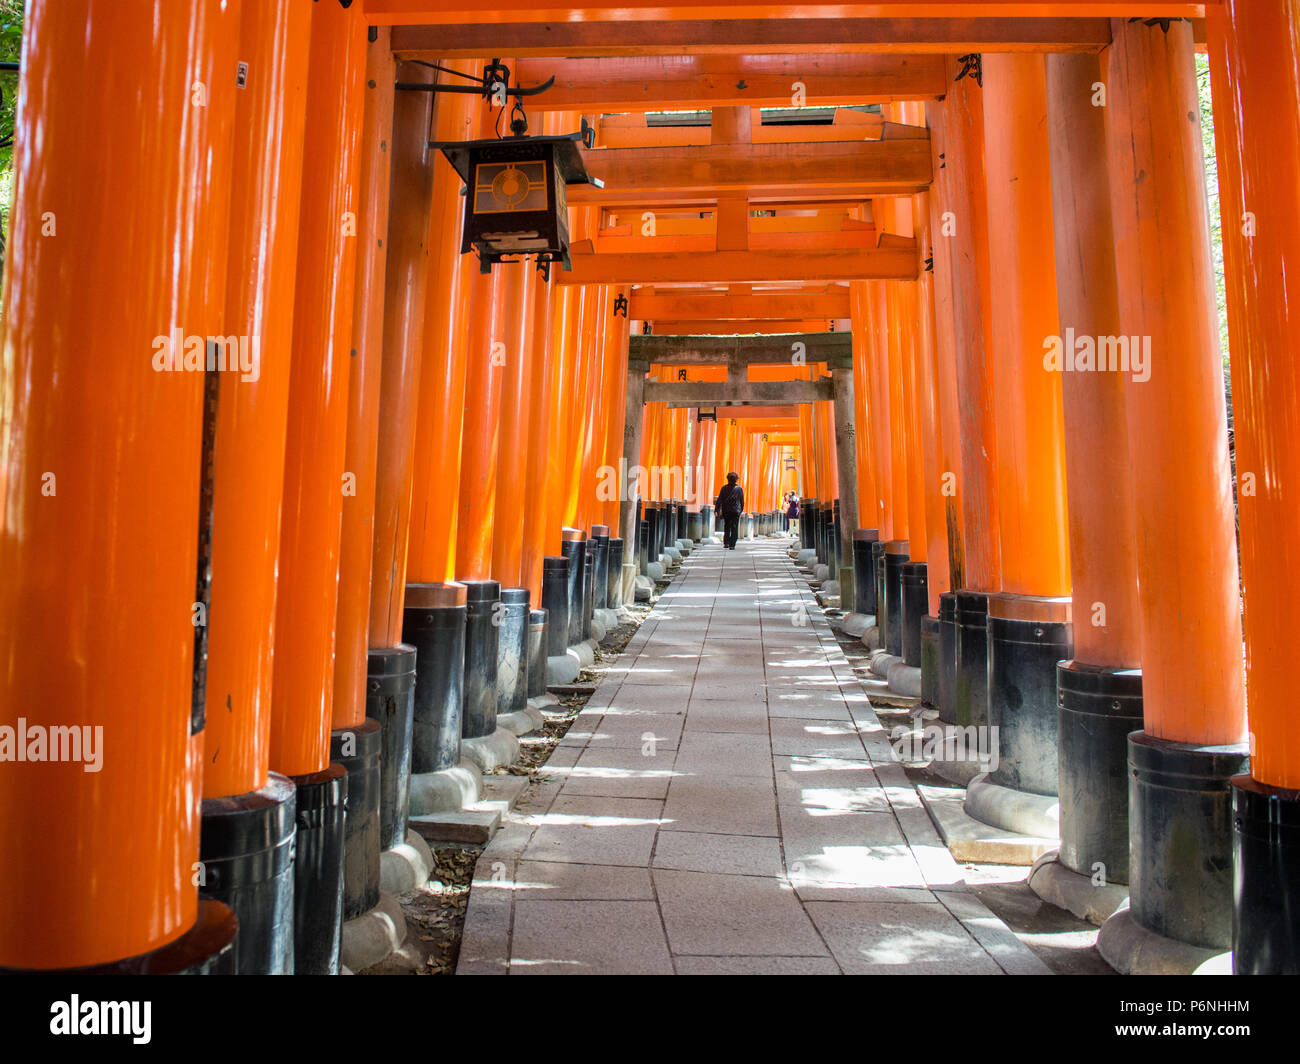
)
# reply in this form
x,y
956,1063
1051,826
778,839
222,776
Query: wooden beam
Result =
x,y
724,393
779,305
832,348
657,83
646,176
740,328
631,131
874,264
774,36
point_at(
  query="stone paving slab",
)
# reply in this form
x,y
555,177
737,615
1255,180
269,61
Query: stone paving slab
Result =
x,y
728,803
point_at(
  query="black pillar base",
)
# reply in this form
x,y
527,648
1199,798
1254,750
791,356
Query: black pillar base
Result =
x,y
614,577
599,546
891,638
359,750
643,548
915,604
1180,819
947,703
390,700
1025,645
1098,709
511,620
864,571
246,856
1266,882
930,660
588,588
478,716
437,632
878,579
537,625
971,682
318,871
555,601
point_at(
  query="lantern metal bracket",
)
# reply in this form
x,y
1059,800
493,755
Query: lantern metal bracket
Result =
x,y
494,82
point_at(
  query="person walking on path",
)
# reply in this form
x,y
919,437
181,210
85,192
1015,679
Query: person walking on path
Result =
x,y
730,503
792,514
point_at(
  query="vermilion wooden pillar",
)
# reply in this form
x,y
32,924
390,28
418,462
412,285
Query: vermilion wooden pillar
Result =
x,y
540,437
1192,675
100,477
1099,692
244,809
435,515
1029,621
516,409
1255,63
965,217
315,477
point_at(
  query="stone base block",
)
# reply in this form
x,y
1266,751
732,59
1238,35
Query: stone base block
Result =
x,y
1013,810
609,618
521,722
474,827
973,841
406,866
562,669
1131,949
654,570
373,936
855,625
491,751
674,553
904,679
644,588
450,789
1075,893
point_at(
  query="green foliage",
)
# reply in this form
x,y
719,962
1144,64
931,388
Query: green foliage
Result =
x,y
11,44
1212,193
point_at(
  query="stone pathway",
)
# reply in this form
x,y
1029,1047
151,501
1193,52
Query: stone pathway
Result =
x,y
727,802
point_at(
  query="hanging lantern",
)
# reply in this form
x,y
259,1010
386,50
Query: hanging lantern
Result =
x,y
515,202
707,413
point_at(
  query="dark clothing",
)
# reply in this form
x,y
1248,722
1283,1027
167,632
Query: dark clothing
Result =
x,y
731,500
793,509
730,529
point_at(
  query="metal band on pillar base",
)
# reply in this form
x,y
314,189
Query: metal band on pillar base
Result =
x,y
706,521
390,700
318,871
479,712
947,704
643,547
1266,862
1180,879
359,750
892,636
915,601
198,951
971,686
246,855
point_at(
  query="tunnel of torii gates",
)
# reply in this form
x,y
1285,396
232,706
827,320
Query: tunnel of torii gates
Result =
x,y
299,503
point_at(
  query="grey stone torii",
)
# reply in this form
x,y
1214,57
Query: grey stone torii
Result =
x,y
737,353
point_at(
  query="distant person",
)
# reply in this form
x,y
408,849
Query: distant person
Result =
x,y
730,504
792,514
